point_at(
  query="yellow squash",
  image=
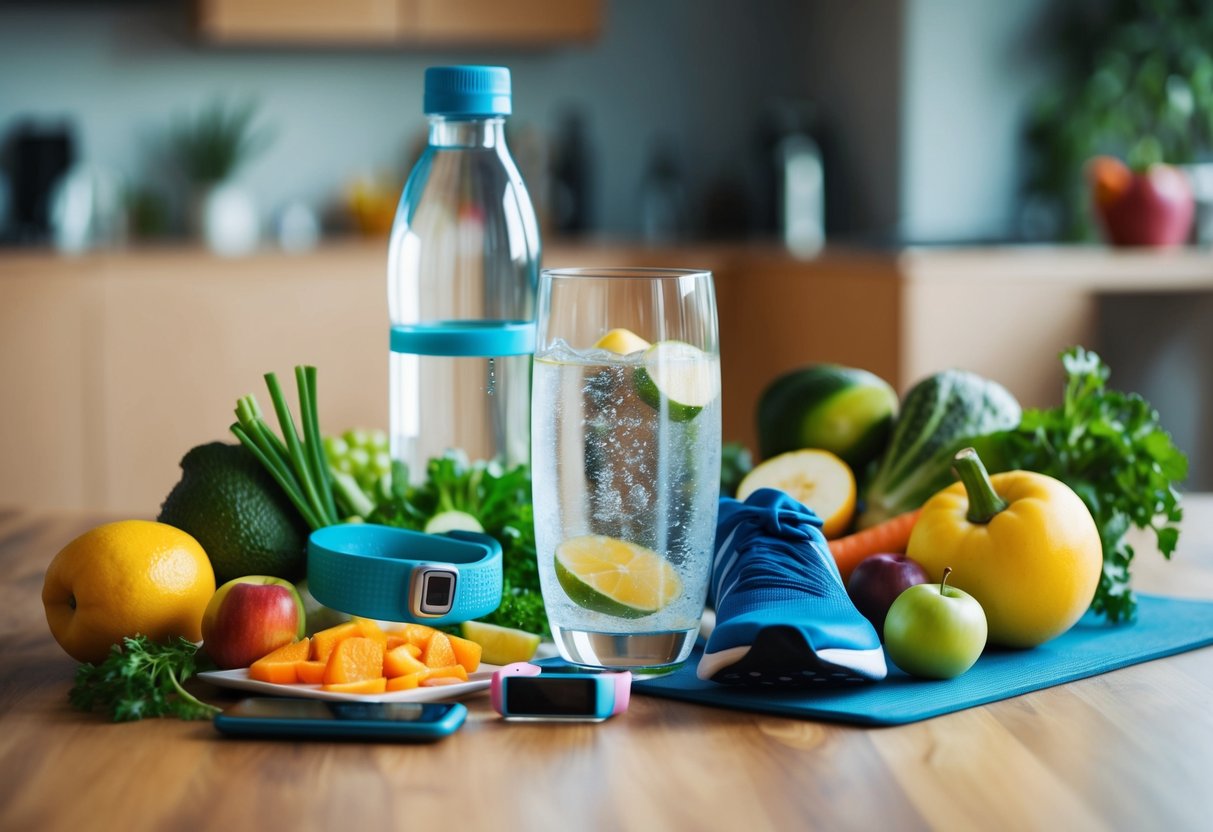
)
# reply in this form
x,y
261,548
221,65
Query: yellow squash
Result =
x,y
1021,543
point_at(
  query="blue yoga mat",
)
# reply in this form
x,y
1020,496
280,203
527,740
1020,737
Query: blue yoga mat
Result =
x,y
1164,626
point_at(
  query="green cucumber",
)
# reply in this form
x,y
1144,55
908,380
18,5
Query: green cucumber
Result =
x,y
678,379
843,410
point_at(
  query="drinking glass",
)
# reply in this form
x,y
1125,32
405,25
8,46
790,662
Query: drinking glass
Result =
x,y
625,449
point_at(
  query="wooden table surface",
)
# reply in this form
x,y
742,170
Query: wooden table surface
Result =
x,y
1132,749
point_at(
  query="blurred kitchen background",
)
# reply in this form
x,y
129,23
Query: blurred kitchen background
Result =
x,y
193,192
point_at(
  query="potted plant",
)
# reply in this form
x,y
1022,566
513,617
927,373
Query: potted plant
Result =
x,y
209,148
1136,85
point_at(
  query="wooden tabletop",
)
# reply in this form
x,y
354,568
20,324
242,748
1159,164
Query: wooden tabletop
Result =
x,y
1132,749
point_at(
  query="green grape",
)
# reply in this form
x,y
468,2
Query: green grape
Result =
x,y
363,455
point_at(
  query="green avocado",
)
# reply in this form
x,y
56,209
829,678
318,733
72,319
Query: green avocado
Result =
x,y
229,503
846,411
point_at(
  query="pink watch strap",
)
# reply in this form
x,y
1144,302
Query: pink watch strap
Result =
x,y
515,669
623,691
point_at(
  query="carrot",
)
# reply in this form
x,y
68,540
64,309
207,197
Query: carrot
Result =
x,y
890,536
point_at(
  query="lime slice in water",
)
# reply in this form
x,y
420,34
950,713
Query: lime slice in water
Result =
x,y
615,577
678,376
621,341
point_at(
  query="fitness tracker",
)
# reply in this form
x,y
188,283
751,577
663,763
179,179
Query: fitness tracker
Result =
x,y
524,691
394,574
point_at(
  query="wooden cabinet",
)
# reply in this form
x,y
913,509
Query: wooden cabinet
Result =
x,y
113,365
399,22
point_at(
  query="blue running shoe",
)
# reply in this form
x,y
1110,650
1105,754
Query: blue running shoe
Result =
x,y
783,617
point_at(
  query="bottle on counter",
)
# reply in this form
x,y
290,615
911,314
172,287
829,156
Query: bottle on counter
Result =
x,y
463,264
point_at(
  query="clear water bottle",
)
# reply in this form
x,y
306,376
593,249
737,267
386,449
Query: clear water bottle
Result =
x,y
462,270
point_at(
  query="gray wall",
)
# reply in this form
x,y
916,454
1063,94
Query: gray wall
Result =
x,y
698,71
920,102
971,68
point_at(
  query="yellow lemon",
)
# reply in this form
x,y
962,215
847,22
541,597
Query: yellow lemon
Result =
x,y
816,478
124,579
621,341
501,645
615,577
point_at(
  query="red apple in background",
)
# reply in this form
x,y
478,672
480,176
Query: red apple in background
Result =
x,y
877,581
1154,207
249,617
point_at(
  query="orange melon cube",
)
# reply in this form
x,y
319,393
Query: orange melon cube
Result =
x,y
324,641
377,685
454,672
278,666
310,673
369,629
405,682
438,653
354,660
399,661
418,634
467,653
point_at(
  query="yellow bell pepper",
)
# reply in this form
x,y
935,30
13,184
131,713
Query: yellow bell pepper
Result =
x,y
1021,543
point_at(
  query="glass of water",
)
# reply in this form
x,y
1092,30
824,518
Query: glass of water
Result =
x,y
625,450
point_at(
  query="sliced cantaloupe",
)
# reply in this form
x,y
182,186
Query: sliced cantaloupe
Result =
x,y
405,682
418,634
278,667
376,685
369,629
467,652
324,641
354,660
454,673
310,673
400,661
438,653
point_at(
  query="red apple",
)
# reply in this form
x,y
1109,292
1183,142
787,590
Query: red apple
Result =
x,y
878,580
249,617
1150,208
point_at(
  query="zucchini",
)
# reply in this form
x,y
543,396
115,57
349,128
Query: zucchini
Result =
x,y
843,410
940,415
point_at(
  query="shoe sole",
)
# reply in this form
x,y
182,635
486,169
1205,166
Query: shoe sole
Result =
x,y
781,657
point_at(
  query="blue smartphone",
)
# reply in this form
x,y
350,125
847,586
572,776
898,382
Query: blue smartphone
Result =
x,y
272,718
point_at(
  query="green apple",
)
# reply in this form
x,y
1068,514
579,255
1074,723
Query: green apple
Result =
x,y
934,630
249,617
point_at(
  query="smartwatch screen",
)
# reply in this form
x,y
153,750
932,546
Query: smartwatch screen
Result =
x,y
550,696
437,592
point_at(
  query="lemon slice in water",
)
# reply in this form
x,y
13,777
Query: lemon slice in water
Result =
x,y
615,577
683,378
621,341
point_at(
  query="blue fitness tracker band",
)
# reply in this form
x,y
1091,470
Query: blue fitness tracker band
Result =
x,y
394,574
523,691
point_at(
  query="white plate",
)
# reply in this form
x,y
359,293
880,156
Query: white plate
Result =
x,y
239,680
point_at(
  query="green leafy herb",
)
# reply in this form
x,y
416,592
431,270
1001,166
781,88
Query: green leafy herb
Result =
x,y
141,679
500,499
1110,448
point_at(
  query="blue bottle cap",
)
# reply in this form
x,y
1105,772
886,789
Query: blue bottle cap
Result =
x,y
467,91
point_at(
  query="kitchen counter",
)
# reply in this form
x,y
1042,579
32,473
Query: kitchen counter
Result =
x,y
1131,749
113,364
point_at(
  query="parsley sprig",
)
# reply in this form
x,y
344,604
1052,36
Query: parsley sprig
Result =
x,y
139,679
1111,449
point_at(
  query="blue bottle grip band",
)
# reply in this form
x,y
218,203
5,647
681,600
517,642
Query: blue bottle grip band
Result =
x,y
486,339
